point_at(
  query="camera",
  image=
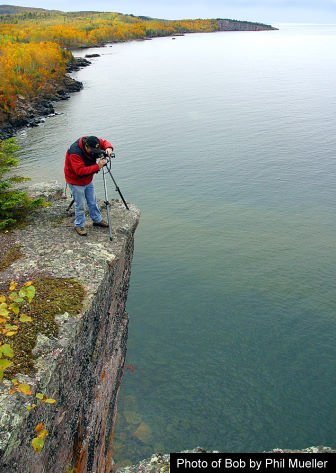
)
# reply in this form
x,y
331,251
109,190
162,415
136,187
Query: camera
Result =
x,y
105,155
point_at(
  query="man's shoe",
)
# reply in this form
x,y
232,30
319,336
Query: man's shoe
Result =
x,y
81,231
102,223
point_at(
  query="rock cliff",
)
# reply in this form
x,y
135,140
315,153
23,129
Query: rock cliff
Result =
x,y
81,367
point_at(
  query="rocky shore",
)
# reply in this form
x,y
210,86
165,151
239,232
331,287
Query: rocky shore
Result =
x,y
30,113
160,463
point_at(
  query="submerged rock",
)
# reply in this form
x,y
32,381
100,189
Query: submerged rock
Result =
x,y
132,417
143,432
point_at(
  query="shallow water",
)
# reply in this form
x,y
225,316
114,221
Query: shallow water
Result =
x,y
226,141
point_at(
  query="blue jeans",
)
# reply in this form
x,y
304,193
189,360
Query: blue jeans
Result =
x,y
80,194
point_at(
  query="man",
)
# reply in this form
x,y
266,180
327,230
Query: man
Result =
x,y
80,166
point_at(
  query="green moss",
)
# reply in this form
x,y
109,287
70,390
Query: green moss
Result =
x,y
53,297
11,255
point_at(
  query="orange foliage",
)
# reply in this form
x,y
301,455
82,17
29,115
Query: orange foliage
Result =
x,y
34,54
29,69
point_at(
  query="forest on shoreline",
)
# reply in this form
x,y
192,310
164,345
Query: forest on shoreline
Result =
x,y
35,47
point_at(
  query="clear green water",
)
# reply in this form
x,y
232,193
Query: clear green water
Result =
x,y
227,143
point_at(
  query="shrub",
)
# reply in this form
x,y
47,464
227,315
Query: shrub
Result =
x,y
14,205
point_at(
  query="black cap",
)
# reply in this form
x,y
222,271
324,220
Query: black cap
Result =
x,y
94,144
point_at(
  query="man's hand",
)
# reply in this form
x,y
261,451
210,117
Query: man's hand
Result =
x,y
109,151
101,162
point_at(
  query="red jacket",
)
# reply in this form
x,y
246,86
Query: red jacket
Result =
x,y
80,167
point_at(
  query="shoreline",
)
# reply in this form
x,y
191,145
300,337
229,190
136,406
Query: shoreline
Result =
x,y
31,113
160,462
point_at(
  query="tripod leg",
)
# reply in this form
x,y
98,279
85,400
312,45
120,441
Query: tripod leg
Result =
x,y
107,203
117,189
122,197
70,205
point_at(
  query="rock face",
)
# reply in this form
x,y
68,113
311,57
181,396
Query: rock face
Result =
x,y
82,368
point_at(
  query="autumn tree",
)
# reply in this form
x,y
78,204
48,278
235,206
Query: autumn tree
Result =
x,y
35,49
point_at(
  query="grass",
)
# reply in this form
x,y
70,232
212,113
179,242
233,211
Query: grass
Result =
x,y
10,255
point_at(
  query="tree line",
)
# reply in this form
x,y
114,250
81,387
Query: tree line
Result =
x,y
35,47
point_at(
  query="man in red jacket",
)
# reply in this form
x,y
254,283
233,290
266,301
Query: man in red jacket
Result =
x,y
80,166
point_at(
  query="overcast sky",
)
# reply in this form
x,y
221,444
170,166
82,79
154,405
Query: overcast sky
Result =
x,y
266,11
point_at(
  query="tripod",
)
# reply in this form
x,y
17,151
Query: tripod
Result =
x,y
107,170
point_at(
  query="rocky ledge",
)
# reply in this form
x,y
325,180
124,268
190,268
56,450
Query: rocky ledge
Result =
x,y
81,367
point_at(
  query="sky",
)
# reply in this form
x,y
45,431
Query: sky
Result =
x,y
265,11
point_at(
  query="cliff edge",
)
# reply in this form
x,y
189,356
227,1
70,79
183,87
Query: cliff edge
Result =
x,y
81,366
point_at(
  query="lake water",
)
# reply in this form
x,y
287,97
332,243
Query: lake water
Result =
x,y
226,141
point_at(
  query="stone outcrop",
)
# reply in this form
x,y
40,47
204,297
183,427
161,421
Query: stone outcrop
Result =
x,y
236,25
82,367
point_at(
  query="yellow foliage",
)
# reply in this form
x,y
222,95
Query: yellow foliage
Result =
x,y
43,434
39,427
50,401
37,444
34,51
25,318
6,351
24,388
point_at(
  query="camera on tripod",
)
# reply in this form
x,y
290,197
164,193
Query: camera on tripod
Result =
x,y
106,156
